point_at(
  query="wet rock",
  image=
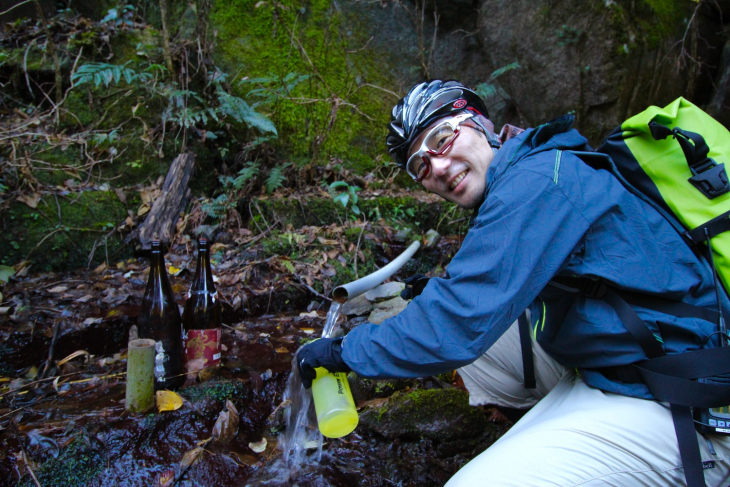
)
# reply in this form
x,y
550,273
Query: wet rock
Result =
x,y
384,292
353,323
387,309
438,414
357,306
432,239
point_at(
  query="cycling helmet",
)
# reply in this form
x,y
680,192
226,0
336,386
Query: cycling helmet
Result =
x,y
425,103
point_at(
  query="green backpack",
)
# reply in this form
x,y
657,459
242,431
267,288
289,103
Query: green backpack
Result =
x,y
673,158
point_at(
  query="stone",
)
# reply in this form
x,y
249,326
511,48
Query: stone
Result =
x,y
437,414
387,309
432,239
357,306
385,292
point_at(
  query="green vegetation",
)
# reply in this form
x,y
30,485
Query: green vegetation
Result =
x,y
77,464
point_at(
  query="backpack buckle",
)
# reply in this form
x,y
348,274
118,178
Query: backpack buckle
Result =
x,y
712,182
593,288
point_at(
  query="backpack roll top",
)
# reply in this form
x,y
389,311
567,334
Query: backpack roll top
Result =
x,y
676,156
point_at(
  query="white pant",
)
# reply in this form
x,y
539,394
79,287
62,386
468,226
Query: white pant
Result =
x,y
575,434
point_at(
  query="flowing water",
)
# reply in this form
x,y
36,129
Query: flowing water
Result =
x,y
301,443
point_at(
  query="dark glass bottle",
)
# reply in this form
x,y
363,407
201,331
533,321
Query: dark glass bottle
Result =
x,y
202,317
159,320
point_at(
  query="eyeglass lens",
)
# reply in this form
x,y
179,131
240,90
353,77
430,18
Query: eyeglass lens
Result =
x,y
436,142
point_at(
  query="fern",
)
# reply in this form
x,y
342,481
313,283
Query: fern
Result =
x,y
216,208
241,111
276,178
107,74
249,171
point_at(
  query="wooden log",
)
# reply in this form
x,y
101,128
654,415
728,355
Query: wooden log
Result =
x,y
140,376
165,211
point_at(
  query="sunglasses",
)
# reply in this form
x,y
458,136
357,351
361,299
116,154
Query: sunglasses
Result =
x,y
437,141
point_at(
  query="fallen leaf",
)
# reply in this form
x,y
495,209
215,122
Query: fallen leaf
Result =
x,y
100,268
375,403
30,199
172,270
167,477
77,353
311,314
58,289
91,321
282,350
325,241
6,272
168,401
259,446
226,426
192,457
143,210
308,331
120,194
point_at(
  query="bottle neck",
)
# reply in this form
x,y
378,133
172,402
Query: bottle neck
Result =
x,y
203,280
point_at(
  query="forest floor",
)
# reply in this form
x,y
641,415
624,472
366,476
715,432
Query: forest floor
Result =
x,y
63,340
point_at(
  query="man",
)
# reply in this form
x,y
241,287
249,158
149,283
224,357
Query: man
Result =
x,y
542,215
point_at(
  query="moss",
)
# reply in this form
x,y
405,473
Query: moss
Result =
x,y
437,414
59,234
219,391
76,465
264,42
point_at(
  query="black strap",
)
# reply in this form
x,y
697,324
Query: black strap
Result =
x,y
708,177
714,227
651,346
689,449
528,364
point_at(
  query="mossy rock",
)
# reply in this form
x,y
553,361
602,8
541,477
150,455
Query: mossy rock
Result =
x,y
61,232
436,414
76,465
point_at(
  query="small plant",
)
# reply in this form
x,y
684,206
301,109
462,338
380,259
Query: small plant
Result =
x,y
488,89
568,35
120,16
107,74
276,177
345,194
101,138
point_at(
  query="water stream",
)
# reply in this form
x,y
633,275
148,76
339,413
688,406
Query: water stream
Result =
x,y
301,443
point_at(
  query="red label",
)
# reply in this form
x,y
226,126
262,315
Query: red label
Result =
x,y
202,349
460,103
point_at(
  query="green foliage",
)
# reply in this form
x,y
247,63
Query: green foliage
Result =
x,y
304,59
276,177
488,89
99,73
119,16
249,171
344,194
568,35
6,272
217,207
240,111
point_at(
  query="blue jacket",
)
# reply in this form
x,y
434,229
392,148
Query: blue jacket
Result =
x,y
546,213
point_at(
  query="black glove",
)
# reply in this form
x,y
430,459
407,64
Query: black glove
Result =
x,y
325,352
414,286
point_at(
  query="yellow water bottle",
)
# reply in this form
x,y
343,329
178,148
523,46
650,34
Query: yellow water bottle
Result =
x,y
333,403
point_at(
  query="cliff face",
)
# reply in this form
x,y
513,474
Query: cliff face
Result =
x,y
604,60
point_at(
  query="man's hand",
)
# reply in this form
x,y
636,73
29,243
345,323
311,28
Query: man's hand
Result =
x,y
324,352
414,286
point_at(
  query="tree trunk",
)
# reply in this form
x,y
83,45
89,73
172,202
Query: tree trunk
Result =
x,y
161,220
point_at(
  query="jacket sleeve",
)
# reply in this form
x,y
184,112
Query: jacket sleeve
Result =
x,y
525,231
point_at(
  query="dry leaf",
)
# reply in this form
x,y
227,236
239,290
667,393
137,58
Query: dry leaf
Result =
x,y
282,350
308,331
58,289
168,401
192,457
259,446
325,241
100,268
311,314
30,200
226,426
143,210
166,478
172,270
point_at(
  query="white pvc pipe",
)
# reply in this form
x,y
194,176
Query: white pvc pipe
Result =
x,y
365,284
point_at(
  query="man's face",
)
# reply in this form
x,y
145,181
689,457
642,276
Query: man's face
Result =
x,y
459,174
